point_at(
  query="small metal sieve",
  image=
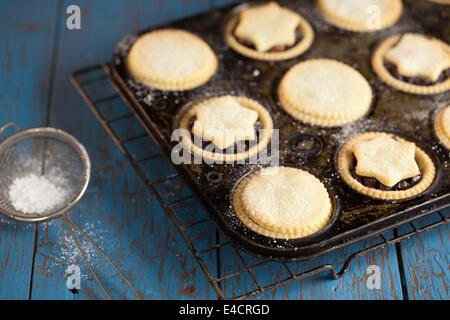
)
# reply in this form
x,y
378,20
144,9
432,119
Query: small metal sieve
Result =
x,y
50,153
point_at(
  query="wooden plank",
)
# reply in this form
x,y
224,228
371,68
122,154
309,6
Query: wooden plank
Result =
x,y
426,262
353,285
26,41
117,209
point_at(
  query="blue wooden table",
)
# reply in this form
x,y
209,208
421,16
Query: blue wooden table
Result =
x,y
38,53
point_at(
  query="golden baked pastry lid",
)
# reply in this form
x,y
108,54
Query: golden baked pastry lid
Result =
x,y
361,15
224,121
303,27
346,159
283,201
416,55
325,92
386,159
252,105
268,25
378,59
172,60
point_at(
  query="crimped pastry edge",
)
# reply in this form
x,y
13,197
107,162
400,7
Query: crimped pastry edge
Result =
x,y
390,18
439,130
288,232
264,118
307,39
345,159
201,77
326,120
384,74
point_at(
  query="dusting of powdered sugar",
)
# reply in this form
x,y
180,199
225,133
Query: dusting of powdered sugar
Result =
x,y
352,129
69,253
122,48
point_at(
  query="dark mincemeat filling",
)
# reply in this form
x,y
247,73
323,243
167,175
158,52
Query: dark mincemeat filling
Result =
x,y
392,68
238,147
375,184
280,48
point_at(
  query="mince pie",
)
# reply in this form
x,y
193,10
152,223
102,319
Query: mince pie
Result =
x,y
283,203
361,15
226,128
269,32
413,63
385,166
171,60
325,92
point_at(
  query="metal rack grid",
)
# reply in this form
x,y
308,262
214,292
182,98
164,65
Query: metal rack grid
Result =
x,y
217,276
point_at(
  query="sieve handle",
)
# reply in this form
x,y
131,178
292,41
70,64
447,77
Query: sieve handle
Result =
x,y
3,128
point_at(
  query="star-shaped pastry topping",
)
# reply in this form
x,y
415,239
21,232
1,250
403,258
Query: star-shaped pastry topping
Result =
x,y
419,56
267,26
385,159
224,121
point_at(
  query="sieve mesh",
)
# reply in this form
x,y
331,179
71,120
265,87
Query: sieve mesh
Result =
x,y
46,152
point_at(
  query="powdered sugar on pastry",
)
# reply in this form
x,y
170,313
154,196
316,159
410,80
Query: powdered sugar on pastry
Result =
x,y
361,15
284,200
325,92
267,26
403,56
385,159
224,121
419,56
242,113
398,163
171,59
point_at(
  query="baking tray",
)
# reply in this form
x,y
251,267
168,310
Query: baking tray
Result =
x,y
356,217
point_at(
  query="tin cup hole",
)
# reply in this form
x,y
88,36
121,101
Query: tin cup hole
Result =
x,y
158,105
214,176
306,144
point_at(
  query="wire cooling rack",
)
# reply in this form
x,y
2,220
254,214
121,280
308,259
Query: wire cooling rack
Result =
x,y
107,104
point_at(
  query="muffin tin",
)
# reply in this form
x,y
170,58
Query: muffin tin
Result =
x,y
311,148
